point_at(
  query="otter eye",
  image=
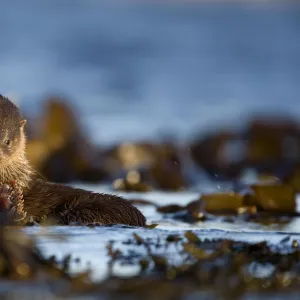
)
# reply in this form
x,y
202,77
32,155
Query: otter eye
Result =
x,y
7,142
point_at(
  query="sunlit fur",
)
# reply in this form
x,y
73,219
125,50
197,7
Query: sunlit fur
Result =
x,y
44,199
13,161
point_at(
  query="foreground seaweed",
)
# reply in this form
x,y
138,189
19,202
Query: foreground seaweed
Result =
x,y
223,269
22,263
174,267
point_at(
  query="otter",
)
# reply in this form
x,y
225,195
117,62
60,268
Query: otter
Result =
x,y
41,198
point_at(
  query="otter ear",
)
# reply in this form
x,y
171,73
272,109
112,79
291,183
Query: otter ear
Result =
x,y
23,123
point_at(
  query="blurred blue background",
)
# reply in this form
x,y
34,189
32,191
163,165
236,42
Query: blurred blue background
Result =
x,y
138,69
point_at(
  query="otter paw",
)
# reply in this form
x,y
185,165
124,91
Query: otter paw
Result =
x,y
5,197
11,202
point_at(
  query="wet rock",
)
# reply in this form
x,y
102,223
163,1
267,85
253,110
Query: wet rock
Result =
x,y
169,209
222,202
219,154
131,183
130,156
191,213
158,165
247,210
167,169
61,151
127,186
167,177
196,210
272,141
293,178
274,198
268,144
37,152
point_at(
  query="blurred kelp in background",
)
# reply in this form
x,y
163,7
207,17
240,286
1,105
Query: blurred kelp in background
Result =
x,y
63,152
162,96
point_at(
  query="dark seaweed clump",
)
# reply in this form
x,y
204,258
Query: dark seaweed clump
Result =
x,y
214,269
23,265
217,269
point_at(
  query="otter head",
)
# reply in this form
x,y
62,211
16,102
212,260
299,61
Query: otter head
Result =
x,y
12,135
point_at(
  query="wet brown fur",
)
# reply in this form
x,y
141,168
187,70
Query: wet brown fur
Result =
x,y
67,205
44,199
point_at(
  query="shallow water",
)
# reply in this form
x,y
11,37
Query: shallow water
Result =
x,y
89,244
